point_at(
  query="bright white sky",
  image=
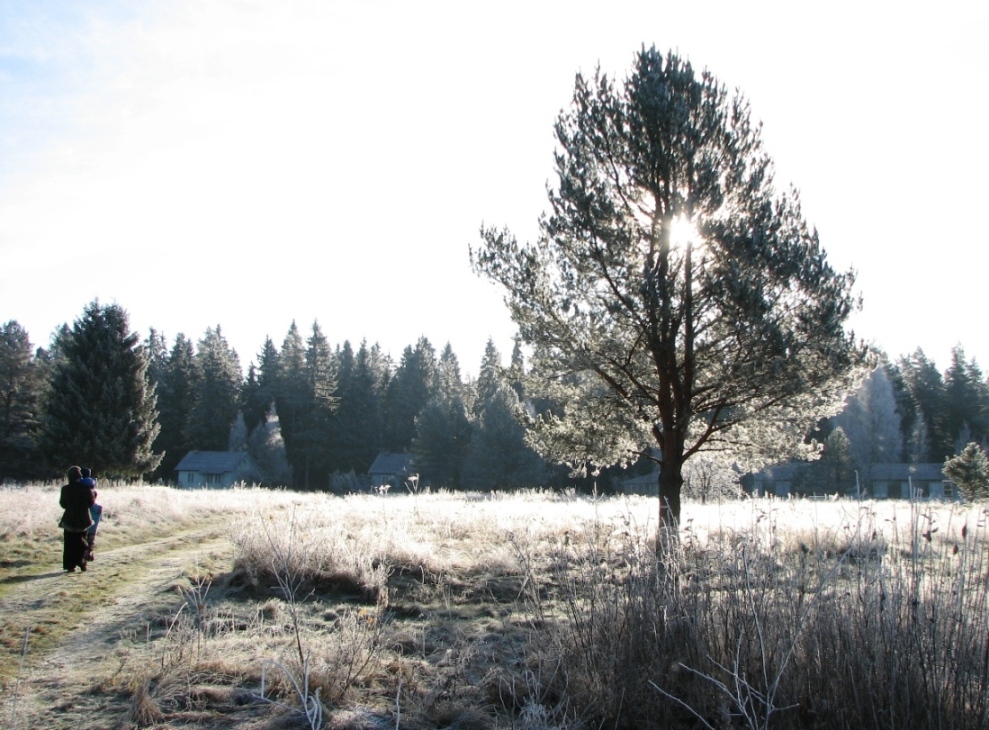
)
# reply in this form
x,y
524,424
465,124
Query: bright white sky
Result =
x,y
251,163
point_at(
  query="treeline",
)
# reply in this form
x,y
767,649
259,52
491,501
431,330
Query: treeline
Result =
x,y
310,414
314,415
904,411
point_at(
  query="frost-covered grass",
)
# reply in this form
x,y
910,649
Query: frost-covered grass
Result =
x,y
551,610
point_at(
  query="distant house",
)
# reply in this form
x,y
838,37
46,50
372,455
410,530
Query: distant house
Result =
x,y
878,481
907,481
774,481
213,468
645,484
391,469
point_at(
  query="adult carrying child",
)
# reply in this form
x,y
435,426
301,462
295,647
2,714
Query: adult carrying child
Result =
x,y
75,499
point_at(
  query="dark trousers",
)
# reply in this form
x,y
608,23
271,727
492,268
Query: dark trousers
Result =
x,y
74,549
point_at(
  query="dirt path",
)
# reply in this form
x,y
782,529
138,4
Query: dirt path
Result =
x,y
78,621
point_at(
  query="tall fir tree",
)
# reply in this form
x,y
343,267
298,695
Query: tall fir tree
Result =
x,y
101,411
259,388
925,385
177,390
217,395
411,388
22,388
359,420
498,456
156,346
489,377
291,399
315,435
966,402
443,427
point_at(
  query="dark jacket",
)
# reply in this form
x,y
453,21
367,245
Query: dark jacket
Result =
x,y
76,499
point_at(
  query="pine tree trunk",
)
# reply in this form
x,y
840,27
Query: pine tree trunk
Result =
x,y
670,484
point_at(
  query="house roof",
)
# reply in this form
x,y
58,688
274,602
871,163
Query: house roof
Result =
x,y
212,462
391,464
926,472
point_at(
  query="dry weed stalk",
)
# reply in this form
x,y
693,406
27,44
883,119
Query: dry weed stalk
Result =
x,y
858,624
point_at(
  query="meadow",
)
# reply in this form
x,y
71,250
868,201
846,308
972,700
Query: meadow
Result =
x,y
534,610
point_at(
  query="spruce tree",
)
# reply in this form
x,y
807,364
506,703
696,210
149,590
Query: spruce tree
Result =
x,y
156,346
291,399
925,385
359,420
443,427
21,393
498,456
178,389
101,410
217,395
966,402
970,471
489,377
315,435
259,388
411,388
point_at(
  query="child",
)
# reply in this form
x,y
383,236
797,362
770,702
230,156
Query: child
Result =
x,y
96,511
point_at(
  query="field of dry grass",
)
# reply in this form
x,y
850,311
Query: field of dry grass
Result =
x,y
269,609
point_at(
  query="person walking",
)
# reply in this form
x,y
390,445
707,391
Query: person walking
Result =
x,y
75,499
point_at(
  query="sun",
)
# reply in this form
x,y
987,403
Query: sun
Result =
x,y
683,233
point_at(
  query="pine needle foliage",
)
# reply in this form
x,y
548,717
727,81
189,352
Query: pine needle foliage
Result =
x,y
102,410
674,300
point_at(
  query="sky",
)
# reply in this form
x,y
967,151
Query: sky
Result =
x,y
249,164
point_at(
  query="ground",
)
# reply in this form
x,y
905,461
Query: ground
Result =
x,y
79,623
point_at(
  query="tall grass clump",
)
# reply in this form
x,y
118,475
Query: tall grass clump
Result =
x,y
874,617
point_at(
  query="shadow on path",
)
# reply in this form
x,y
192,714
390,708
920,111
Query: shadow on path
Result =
x,y
26,578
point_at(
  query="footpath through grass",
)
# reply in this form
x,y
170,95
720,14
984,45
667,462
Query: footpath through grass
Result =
x,y
40,604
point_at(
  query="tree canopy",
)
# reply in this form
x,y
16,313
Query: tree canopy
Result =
x,y
101,407
970,471
673,298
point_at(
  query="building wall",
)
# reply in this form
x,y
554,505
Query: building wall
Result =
x,y
195,480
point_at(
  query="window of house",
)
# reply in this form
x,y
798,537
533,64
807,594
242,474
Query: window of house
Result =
x,y
213,479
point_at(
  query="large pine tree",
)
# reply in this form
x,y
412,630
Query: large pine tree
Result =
x,y
675,300
101,409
